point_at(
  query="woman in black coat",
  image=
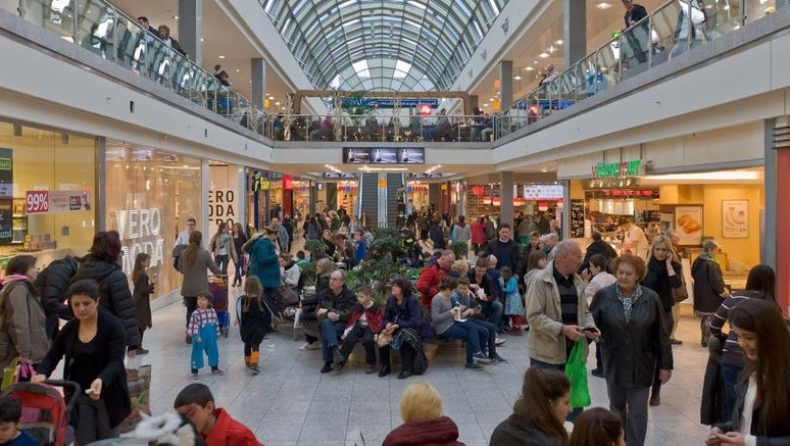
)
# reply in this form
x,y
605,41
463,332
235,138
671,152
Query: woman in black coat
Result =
x,y
663,275
93,344
102,265
634,336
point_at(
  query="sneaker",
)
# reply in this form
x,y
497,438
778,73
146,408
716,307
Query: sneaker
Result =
x,y
217,372
473,366
480,357
326,368
255,369
194,375
499,341
309,346
495,358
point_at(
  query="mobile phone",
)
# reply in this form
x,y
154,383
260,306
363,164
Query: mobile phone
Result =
x,y
590,329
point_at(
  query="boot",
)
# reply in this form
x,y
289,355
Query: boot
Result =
x,y
247,361
385,370
254,358
655,399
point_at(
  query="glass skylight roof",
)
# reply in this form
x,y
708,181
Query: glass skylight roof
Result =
x,y
407,45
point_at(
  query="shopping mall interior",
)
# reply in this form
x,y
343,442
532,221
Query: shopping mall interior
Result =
x,y
673,114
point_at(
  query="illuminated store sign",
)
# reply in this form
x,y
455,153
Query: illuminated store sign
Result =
x,y
139,230
624,169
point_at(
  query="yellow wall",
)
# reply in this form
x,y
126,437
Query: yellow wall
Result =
x,y
741,250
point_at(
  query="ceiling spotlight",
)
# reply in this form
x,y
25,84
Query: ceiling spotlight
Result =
x,y
603,6
544,170
277,103
558,42
175,17
202,39
221,56
238,70
518,78
529,69
535,62
543,55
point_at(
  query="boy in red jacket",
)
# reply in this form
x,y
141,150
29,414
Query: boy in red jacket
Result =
x,y
215,425
364,324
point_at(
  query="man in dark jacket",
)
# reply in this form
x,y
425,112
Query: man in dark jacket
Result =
x,y
505,249
633,14
52,283
709,288
598,246
334,308
437,235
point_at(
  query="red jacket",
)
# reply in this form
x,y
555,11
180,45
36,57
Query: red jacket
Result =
x,y
374,315
428,283
439,432
229,432
478,233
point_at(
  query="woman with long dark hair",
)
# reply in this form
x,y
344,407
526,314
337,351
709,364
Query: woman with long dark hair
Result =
x,y
761,284
194,264
598,427
143,288
103,264
403,311
663,275
223,248
239,239
539,415
762,409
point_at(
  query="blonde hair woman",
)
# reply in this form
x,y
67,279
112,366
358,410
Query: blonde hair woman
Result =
x,y
323,269
423,423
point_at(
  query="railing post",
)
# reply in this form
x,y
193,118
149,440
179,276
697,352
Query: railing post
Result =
x,y
650,41
115,34
21,9
689,24
75,26
620,60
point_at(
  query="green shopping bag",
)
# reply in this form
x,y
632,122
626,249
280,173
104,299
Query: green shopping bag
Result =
x,y
576,369
9,374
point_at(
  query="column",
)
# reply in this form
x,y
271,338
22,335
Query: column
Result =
x,y
258,70
566,210
205,189
505,85
242,198
575,31
331,195
506,197
474,101
100,201
780,142
435,195
460,192
190,28
313,197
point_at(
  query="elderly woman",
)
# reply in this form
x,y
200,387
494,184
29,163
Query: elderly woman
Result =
x,y
634,337
24,333
709,289
663,275
423,422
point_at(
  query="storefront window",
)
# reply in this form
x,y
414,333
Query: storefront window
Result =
x,y
47,190
150,195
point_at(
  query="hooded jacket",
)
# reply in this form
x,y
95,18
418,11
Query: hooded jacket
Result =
x,y
23,324
114,293
709,289
441,431
52,283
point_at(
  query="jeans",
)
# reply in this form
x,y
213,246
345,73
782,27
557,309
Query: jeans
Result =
x,y
222,263
493,311
364,335
490,330
730,374
468,333
631,404
561,367
239,273
330,334
657,376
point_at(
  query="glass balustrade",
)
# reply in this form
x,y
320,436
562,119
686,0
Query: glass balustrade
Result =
x,y
669,31
99,27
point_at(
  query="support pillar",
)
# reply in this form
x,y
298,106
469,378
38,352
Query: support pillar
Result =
x,y
190,28
258,72
505,85
575,31
780,141
566,210
473,101
100,201
435,195
242,195
313,197
205,190
506,197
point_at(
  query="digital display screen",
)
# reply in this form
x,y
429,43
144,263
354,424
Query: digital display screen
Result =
x,y
411,155
353,155
384,156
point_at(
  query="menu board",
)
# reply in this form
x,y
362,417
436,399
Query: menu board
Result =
x,y
577,218
6,196
543,192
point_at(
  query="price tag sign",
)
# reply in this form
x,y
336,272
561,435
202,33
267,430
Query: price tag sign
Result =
x,y
37,201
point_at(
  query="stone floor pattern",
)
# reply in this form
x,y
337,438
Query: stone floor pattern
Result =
x,y
291,404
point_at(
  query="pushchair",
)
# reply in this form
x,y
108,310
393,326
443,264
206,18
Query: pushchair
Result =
x,y
218,286
45,414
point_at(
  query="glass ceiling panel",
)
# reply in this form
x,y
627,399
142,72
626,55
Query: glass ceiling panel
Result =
x,y
423,44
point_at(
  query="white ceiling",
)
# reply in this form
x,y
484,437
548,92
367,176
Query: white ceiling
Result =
x,y
221,38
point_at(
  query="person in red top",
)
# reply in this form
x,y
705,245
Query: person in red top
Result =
x,y
428,283
215,425
364,324
478,235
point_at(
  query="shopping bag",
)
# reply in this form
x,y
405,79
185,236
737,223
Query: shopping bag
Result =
x,y
9,374
576,369
138,378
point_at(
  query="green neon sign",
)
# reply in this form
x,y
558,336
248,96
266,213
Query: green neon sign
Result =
x,y
624,169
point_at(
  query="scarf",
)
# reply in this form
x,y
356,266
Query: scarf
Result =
x,y
628,302
708,256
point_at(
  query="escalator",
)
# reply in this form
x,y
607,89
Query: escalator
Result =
x,y
369,198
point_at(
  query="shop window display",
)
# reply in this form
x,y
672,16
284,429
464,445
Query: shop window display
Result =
x,y
47,191
150,195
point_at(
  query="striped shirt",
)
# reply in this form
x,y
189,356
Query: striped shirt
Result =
x,y
732,352
200,319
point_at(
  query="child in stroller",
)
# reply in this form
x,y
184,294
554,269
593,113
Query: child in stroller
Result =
x,y
41,414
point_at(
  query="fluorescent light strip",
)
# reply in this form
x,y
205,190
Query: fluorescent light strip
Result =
x,y
728,176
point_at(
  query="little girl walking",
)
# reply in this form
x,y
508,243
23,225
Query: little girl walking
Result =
x,y
143,289
250,313
204,329
514,308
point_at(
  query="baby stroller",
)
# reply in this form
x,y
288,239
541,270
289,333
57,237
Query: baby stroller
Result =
x,y
218,287
45,414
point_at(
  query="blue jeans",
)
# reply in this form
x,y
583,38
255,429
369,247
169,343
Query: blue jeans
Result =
x,y
493,311
490,330
561,367
222,263
730,374
330,334
468,333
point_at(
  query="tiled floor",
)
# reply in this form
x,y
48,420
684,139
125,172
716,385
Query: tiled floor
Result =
x,y
291,403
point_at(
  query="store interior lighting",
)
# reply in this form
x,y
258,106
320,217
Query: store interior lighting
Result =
x,y
723,176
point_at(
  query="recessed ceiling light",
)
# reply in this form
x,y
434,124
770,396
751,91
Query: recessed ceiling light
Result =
x,y
202,39
175,17
277,103
530,69
238,70
518,78
558,42
221,56
543,55
535,62
603,5
271,97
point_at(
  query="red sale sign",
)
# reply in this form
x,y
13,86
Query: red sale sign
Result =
x,y
37,201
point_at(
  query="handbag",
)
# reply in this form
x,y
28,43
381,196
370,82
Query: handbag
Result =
x,y
384,339
286,296
576,370
680,294
16,372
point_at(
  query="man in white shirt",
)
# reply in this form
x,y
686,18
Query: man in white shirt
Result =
x,y
635,238
182,241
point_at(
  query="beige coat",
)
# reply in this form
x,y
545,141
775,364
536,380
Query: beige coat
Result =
x,y
546,341
23,325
